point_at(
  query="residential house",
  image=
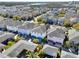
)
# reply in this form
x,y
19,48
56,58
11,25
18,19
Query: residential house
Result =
x,y
73,35
13,25
5,35
74,19
56,37
20,46
50,50
65,54
39,32
26,28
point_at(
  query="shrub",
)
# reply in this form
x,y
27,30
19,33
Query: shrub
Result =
x,y
67,23
76,26
35,41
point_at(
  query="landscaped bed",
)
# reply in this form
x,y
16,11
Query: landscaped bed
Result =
x,y
11,41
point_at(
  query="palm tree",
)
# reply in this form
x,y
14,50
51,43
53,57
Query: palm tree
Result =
x,y
17,38
30,54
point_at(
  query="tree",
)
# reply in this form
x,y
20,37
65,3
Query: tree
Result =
x,y
39,47
59,52
76,26
67,44
10,43
6,47
4,15
61,13
30,54
67,23
17,38
16,18
44,40
41,54
39,20
35,41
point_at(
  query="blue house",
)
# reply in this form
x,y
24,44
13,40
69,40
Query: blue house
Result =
x,y
39,32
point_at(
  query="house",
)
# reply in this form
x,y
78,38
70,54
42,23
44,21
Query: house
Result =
x,y
56,37
20,46
61,21
39,32
26,28
10,24
13,25
73,35
65,54
2,25
5,35
50,50
74,19
3,56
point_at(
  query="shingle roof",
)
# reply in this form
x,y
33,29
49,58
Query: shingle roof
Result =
x,y
41,29
74,35
3,56
29,26
57,33
65,54
50,50
1,45
18,47
5,36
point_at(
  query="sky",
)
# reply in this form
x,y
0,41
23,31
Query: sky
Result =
x,y
35,0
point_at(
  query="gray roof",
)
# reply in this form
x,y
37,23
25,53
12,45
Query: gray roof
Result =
x,y
29,26
3,56
50,50
1,32
41,29
65,54
5,36
2,24
74,36
57,33
18,47
11,22
1,46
